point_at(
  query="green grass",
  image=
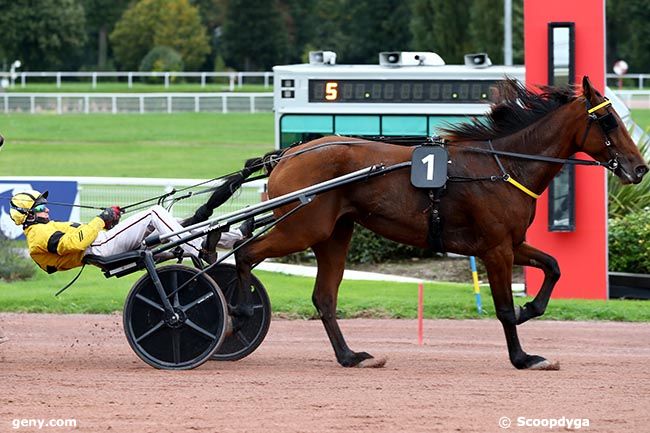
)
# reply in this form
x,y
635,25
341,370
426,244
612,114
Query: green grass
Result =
x,y
192,145
291,297
122,87
642,118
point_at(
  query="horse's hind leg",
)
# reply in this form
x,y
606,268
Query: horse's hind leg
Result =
x,y
527,255
331,255
498,263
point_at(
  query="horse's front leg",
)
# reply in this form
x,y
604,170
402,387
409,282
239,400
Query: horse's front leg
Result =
x,y
331,255
527,255
498,263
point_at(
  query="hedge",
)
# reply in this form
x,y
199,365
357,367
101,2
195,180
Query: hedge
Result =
x,y
629,243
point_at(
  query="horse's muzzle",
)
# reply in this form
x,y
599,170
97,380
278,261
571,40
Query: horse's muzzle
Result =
x,y
640,171
630,175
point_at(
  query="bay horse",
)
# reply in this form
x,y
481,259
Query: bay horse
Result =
x,y
484,218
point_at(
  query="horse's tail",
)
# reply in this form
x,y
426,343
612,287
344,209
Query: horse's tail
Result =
x,y
223,192
266,162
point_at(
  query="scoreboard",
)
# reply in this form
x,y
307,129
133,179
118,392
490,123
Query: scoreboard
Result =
x,y
313,100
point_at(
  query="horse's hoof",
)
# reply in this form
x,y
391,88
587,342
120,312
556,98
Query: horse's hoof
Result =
x,y
545,365
373,362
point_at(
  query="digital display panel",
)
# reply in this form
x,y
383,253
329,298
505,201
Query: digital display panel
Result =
x,y
403,91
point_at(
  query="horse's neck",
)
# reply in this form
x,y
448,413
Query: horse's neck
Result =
x,y
554,136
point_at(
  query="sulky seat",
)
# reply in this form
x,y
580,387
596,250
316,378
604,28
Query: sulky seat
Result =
x,y
118,264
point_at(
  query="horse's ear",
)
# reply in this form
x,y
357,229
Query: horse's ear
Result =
x,y
587,88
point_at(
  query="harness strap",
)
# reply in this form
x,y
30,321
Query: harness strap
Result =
x,y
599,106
507,178
510,180
434,234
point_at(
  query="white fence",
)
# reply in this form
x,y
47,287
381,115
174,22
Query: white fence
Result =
x,y
101,192
167,78
635,98
639,79
62,103
235,79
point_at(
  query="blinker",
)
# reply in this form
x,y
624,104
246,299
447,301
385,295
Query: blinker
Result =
x,y
607,122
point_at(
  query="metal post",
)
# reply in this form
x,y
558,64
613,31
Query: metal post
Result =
x,y
266,79
252,103
197,107
58,80
641,81
114,104
86,104
141,100
23,79
59,103
224,104
507,32
232,82
94,80
169,104
6,103
130,79
166,80
240,79
203,79
32,104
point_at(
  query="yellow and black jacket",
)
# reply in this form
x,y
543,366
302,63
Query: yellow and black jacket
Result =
x,y
59,246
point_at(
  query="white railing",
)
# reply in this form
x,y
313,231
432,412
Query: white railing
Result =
x,y
235,79
635,98
101,192
62,103
614,80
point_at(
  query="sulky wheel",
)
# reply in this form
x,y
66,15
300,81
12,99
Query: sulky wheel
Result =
x,y
185,338
250,317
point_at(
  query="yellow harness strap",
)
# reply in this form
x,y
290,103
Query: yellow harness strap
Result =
x,y
599,106
509,179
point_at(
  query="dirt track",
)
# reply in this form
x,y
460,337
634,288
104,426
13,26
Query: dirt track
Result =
x,y
81,367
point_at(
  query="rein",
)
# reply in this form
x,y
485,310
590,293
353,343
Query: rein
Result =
x,y
541,158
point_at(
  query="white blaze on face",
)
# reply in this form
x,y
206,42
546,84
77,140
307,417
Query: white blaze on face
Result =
x,y
7,225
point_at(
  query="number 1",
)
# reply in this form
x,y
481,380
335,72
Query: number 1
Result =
x,y
428,160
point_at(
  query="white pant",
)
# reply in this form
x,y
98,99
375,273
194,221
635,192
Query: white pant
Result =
x,y
129,234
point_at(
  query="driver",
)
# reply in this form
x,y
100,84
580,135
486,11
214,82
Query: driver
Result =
x,y
58,246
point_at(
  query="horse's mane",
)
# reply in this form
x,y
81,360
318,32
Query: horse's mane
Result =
x,y
518,107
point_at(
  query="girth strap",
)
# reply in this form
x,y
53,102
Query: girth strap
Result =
x,y
434,234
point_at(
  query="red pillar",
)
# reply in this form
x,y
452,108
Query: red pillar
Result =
x,y
582,254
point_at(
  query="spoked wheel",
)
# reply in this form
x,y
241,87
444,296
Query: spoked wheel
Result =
x,y
251,314
182,339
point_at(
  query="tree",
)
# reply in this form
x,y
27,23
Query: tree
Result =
x,y
442,27
42,34
300,24
150,23
329,28
377,25
518,32
101,16
212,12
254,36
486,29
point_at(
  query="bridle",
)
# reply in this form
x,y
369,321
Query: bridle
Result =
x,y
607,123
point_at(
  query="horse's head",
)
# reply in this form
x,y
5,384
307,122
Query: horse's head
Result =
x,y
606,138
